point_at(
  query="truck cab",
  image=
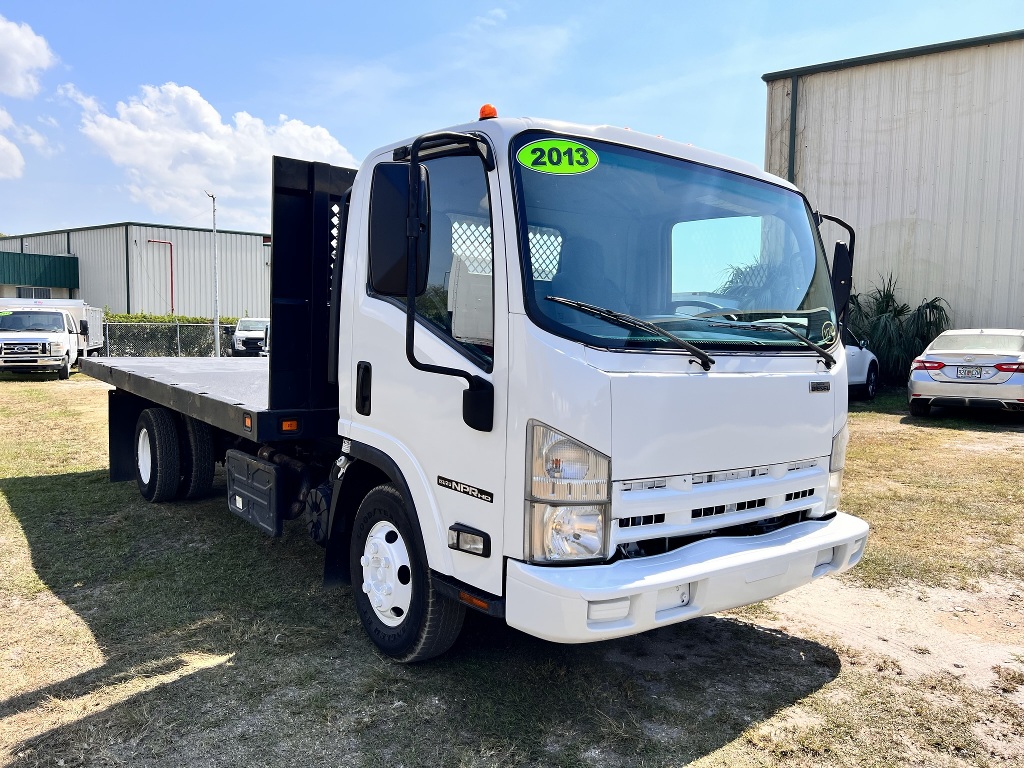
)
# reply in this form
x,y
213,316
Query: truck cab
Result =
x,y
658,329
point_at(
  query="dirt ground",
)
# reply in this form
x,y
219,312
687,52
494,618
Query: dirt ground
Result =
x,y
134,635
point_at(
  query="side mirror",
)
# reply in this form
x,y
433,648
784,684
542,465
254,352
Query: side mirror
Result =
x,y
83,328
389,235
842,277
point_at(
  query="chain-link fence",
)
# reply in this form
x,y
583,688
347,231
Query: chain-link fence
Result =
x,y
163,339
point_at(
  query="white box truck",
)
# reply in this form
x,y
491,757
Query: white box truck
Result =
x,y
47,335
579,378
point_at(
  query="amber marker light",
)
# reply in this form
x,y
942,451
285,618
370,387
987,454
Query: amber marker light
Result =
x,y
247,422
474,601
289,425
488,112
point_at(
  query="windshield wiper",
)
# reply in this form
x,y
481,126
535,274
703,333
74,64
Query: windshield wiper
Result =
x,y
824,353
628,321
41,330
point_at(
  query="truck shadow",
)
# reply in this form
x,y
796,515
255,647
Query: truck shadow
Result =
x,y
217,645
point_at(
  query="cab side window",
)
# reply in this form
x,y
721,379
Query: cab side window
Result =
x,y
459,300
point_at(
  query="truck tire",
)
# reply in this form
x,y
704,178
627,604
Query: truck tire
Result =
x,y
157,460
196,462
403,614
64,372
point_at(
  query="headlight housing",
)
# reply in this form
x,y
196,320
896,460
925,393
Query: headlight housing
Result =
x,y
836,464
568,498
56,348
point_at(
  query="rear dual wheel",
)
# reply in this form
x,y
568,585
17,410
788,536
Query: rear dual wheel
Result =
x,y
172,462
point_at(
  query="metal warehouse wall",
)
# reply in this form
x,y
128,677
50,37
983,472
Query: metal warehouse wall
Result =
x,y
244,272
122,270
924,156
100,254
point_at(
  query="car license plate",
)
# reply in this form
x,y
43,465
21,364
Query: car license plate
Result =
x,y
968,372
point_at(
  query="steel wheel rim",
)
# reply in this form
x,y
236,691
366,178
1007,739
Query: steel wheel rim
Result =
x,y
387,573
144,456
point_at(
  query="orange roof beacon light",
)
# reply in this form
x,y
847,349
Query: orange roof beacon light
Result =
x,y
488,112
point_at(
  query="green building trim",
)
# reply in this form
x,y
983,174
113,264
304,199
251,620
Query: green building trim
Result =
x,y
39,270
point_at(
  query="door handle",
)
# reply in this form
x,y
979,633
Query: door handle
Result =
x,y
364,377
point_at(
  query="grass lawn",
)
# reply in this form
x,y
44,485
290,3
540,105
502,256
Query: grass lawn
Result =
x,y
176,634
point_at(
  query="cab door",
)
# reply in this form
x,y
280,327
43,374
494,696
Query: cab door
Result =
x,y
456,474
71,328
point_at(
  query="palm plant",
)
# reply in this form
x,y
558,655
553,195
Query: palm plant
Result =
x,y
896,332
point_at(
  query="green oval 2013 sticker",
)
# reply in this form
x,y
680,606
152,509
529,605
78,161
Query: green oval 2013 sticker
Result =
x,y
559,156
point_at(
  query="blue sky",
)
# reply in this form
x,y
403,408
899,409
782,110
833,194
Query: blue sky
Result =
x,y
114,111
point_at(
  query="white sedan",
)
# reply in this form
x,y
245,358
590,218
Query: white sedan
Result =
x,y
978,367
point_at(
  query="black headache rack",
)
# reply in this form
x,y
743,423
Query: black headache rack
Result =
x,y
294,396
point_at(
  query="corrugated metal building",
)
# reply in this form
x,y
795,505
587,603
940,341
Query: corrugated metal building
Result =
x,y
922,151
126,268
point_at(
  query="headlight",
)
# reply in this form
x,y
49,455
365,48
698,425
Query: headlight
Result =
x,y
56,348
839,443
836,464
568,498
238,343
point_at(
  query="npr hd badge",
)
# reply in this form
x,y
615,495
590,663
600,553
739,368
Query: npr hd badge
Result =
x,y
469,490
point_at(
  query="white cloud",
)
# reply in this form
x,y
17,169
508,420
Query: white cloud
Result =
x,y
87,103
34,139
12,164
174,145
23,53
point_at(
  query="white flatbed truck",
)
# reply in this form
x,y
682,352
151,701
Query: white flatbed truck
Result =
x,y
579,378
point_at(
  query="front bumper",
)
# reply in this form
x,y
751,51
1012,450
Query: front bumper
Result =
x,y
580,604
31,364
1008,394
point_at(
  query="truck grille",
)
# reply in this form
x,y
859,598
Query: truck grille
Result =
x,y
23,349
657,515
253,344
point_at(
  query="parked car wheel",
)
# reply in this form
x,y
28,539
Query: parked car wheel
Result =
x,y
871,383
157,457
403,614
920,407
64,372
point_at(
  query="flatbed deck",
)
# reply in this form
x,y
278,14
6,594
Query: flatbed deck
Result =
x,y
226,392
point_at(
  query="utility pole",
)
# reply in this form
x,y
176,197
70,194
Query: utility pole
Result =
x,y
216,282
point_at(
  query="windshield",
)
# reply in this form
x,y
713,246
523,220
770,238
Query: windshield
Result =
x,y
718,259
31,321
251,324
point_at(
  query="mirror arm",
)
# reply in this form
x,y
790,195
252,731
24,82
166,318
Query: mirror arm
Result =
x,y
478,398
844,225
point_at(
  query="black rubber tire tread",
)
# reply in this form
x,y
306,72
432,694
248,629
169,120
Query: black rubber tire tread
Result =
x,y
197,464
64,372
869,391
163,445
919,407
433,622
